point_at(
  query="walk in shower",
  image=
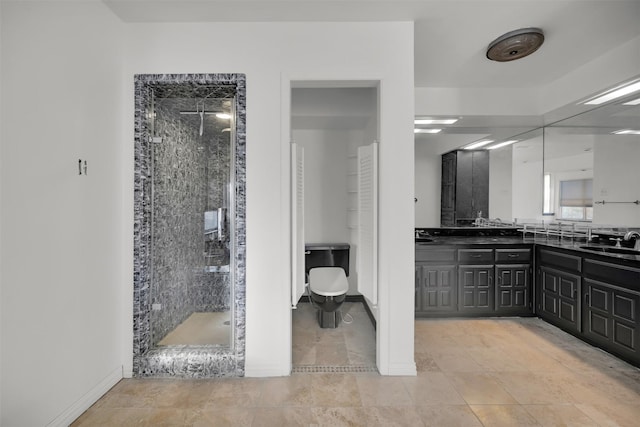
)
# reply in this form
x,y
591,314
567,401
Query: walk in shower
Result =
x,y
189,225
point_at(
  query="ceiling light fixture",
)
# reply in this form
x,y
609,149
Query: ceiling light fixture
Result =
x,y
627,132
434,121
502,144
614,93
478,144
515,44
427,130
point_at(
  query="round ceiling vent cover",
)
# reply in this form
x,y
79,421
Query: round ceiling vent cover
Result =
x,y
515,44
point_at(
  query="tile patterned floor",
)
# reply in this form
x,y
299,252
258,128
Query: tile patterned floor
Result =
x,y
351,345
475,372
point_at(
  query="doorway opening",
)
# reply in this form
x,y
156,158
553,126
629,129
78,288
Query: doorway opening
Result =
x,y
334,131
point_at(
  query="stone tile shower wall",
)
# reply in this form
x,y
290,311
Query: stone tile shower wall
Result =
x,y
179,198
187,361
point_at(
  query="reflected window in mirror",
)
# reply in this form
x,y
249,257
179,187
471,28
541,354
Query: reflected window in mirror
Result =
x,y
576,200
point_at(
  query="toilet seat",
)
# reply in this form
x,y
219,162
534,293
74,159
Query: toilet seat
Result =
x,y
328,281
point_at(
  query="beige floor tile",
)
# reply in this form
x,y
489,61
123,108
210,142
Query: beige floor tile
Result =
x,y
332,353
295,390
480,388
395,416
232,392
343,416
454,360
95,417
382,391
516,372
504,416
560,415
496,360
448,415
331,390
534,388
432,388
425,363
223,417
613,414
201,329
269,417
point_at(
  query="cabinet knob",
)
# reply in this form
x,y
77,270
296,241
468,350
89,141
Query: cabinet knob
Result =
x,y
513,255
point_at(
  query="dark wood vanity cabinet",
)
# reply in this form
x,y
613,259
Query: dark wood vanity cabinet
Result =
x,y
436,284
559,288
473,281
513,281
476,281
611,313
464,186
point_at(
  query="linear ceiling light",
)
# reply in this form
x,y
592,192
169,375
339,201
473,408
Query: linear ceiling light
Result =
x,y
434,121
633,102
502,144
615,93
478,144
427,130
627,132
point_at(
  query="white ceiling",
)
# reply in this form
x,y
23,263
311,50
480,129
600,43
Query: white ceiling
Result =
x,y
451,38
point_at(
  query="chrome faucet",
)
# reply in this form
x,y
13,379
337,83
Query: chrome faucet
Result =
x,y
631,234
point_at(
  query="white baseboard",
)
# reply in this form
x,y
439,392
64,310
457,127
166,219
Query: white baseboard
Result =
x,y
404,370
267,371
85,402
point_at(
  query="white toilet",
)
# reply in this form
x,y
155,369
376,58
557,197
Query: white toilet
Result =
x,y
327,268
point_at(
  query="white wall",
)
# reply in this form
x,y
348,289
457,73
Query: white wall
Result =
x,y
273,55
428,167
617,176
527,181
61,232
325,184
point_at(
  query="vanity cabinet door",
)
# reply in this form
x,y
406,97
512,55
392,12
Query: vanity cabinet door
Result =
x,y
435,288
611,318
559,298
476,289
513,289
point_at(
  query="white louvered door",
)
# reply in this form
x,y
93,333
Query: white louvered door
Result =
x,y
297,224
368,222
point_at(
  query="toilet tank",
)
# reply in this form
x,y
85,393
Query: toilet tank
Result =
x,y
326,255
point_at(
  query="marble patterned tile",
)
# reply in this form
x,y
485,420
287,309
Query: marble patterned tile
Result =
x,y
504,416
560,415
480,388
448,415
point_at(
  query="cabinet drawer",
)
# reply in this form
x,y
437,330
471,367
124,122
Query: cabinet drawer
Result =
x,y
475,256
435,254
513,255
620,275
560,260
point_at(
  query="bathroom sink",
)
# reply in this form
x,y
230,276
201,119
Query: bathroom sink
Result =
x,y
605,249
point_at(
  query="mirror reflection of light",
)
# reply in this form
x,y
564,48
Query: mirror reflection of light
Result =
x,y
616,93
223,116
478,144
627,132
502,144
427,130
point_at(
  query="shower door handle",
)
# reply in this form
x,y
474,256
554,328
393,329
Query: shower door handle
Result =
x,y
221,229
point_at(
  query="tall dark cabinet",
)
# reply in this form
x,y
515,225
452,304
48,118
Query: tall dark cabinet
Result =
x,y
465,187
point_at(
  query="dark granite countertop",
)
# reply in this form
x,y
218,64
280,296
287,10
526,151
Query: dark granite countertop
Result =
x,y
578,246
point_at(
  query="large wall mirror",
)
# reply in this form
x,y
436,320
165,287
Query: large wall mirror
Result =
x,y
585,167
592,165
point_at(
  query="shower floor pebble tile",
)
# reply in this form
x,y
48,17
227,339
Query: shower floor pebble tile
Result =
x,y
544,389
